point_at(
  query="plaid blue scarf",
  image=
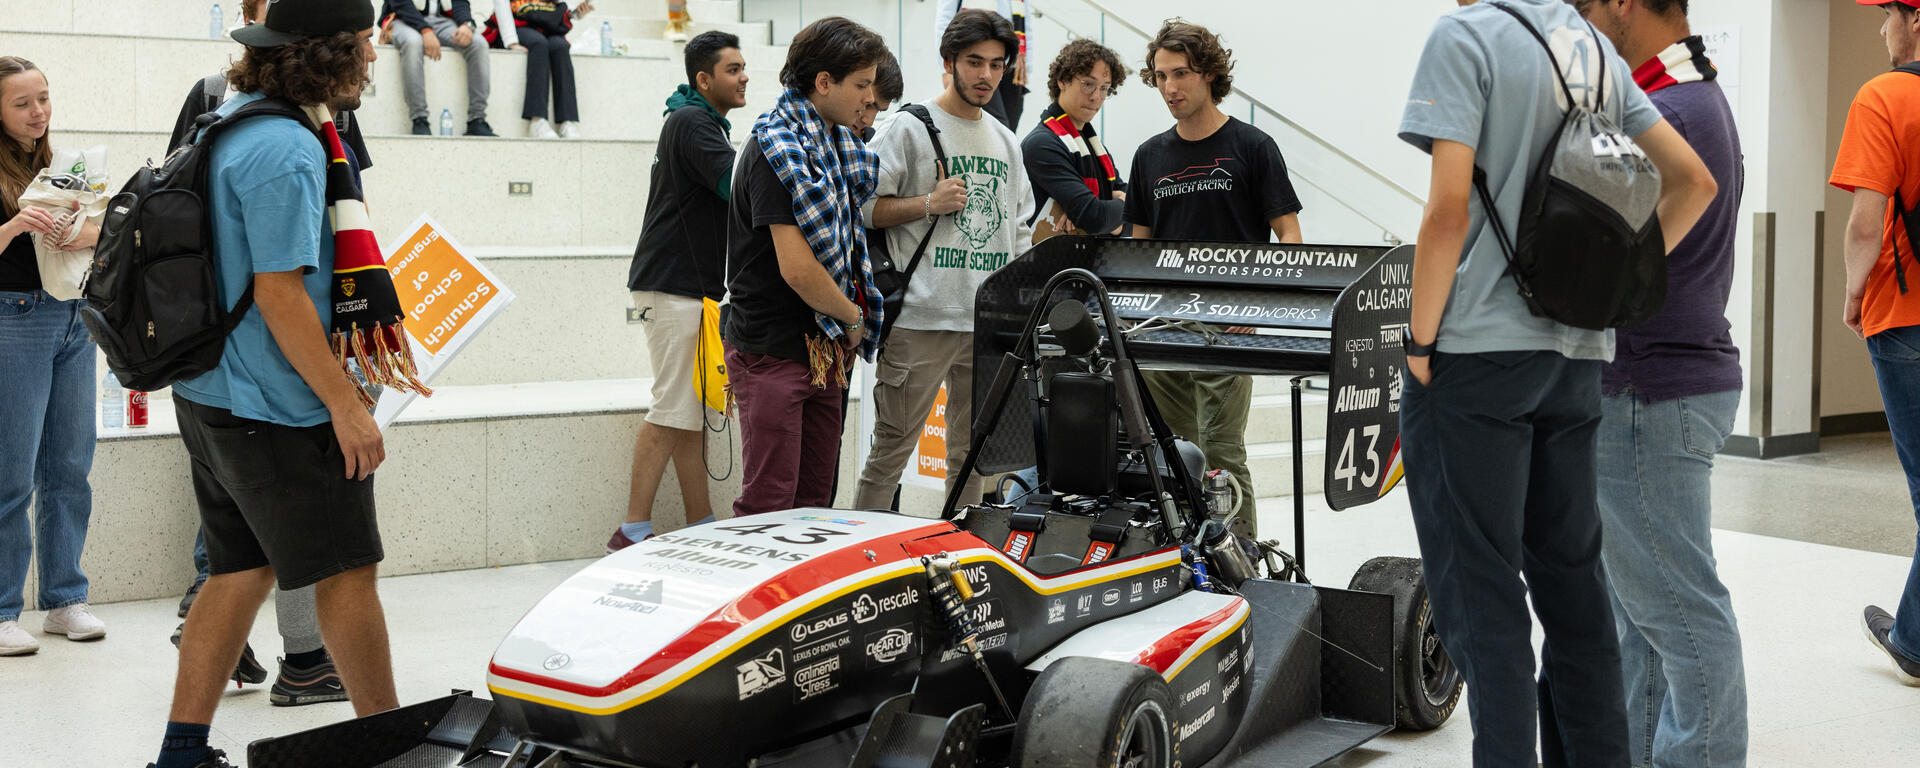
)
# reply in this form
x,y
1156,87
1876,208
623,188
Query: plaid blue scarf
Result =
x,y
830,173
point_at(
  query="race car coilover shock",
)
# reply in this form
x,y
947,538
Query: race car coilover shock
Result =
x,y
950,590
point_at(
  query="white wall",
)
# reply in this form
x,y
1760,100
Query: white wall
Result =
x,y
1846,374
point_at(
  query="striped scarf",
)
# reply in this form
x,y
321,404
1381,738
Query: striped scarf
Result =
x,y
829,173
1089,155
366,330
1683,62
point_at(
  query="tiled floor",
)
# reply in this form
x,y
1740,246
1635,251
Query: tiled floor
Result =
x,y
1820,696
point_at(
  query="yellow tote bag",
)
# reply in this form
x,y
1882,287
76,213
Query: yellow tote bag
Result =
x,y
710,359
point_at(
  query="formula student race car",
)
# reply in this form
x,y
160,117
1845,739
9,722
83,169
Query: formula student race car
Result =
x,y
1107,618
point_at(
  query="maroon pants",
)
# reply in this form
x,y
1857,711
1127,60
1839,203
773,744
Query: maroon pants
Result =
x,y
789,434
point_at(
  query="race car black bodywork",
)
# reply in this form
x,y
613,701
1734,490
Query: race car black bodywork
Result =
x,y
1106,619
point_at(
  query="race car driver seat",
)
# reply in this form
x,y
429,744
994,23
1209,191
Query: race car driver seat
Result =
x,y
1081,520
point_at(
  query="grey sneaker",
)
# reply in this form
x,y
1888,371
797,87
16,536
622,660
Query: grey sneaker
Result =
x,y
298,687
186,603
1879,626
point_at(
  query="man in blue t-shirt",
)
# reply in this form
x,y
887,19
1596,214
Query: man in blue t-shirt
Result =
x,y
1499,419
1669,399
282,450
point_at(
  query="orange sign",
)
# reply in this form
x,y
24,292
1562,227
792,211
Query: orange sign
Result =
x,y
441,289
931,459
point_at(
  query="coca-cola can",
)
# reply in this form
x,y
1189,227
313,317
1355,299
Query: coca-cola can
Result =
x,y
136,409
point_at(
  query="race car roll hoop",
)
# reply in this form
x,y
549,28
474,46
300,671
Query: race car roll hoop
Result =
x,y
1261,309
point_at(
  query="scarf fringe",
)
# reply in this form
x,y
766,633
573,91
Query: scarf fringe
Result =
x,y
828,360
382,358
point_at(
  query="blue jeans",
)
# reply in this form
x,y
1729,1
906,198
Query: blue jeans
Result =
x,y
47,435
1896,362
1679,644
1500,470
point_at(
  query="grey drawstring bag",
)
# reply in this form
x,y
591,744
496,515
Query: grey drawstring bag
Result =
x,y
1590,252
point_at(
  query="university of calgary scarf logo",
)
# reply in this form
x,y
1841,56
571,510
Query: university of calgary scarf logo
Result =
x,y
365,332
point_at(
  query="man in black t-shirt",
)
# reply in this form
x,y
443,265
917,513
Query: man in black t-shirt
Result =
x,y
793,324
1209,178
681,259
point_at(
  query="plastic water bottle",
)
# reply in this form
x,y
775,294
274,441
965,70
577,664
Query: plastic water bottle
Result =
x,y
446,122
113,403
606,38
213,22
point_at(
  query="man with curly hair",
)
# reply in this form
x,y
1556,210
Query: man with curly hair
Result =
x,y
282,448
1065,159
1211,177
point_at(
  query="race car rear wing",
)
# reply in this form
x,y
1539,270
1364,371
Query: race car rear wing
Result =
x,y
1254,308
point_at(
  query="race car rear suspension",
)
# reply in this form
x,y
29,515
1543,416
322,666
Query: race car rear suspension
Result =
x,y
950,590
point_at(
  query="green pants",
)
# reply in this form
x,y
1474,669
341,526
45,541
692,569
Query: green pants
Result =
x,y
1210,410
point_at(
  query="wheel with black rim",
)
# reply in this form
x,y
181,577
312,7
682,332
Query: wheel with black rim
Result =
x,y
1426,684
1084,712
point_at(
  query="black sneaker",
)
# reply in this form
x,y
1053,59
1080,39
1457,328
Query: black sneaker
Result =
x,y
421,128
1879,626
247,671
480,128
186,603
297,687
215,759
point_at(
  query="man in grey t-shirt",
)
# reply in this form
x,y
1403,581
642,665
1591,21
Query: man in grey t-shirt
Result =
x,y
1498,422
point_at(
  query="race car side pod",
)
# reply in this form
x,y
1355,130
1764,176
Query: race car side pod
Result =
x,y
1145,427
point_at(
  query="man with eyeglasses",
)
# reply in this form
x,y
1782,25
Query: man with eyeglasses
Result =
x,y
1065,160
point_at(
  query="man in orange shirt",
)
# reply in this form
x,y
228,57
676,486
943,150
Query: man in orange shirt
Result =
x,y
1879,163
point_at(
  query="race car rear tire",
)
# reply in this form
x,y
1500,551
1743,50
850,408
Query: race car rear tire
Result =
x,y
1426,683
1085,712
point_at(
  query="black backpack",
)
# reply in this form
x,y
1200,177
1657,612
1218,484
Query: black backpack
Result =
x,y
153,296
887,276
1909,218
1590,252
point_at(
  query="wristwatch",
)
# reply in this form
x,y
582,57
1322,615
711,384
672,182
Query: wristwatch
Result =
x,y
1414,348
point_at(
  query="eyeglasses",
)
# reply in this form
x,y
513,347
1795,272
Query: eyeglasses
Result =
x,y
1088,87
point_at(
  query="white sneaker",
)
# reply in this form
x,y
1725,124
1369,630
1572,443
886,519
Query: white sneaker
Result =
x,y
569,130
539,128
76,621
15,641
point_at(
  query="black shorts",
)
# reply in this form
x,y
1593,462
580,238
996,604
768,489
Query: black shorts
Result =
x,y
272,495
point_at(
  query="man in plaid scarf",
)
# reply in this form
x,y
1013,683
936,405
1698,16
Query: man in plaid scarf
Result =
x,y
802,300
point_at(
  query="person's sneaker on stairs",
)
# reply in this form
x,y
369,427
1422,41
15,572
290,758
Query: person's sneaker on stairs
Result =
x,y
1879,626
75,621
421,127
479,127
186,603
15,641
312,685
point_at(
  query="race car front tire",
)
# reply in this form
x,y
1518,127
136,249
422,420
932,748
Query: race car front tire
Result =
x,y
1085,712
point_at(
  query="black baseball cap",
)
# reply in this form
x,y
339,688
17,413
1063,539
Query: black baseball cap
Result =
x,y
290,21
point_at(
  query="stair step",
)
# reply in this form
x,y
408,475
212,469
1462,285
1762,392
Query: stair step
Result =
x,y
585,191
163,70
189,18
